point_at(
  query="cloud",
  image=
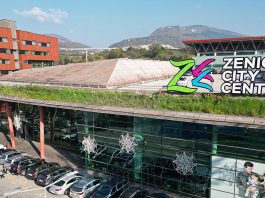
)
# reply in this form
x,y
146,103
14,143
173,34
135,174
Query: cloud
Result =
x,y
54,15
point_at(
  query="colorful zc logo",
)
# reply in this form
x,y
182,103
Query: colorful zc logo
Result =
x,y
198,74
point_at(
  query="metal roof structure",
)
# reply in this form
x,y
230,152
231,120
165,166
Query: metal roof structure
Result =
x,y
244,44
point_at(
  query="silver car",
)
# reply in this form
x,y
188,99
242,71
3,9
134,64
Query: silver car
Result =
x,y
11,160
6,155
84,187
62,186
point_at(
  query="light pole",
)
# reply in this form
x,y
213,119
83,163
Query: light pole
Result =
x,y
86,55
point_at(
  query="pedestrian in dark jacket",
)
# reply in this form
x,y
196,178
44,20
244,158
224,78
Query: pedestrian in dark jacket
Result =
x,y
243,177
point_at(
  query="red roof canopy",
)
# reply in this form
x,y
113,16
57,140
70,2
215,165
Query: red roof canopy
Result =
x,y
225,39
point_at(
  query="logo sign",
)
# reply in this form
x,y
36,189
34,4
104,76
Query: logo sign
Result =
x,y
240,75
243,75
198,73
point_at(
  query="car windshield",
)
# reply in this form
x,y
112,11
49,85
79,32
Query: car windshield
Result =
x,y
31,170
105,189
81,183
42,177
76,188
60,183
8,161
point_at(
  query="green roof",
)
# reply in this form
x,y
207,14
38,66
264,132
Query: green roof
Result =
x,y
205,103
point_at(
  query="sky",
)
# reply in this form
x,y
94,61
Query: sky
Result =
x,y
100,23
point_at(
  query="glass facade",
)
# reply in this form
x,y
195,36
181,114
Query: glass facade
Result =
x,y
218,152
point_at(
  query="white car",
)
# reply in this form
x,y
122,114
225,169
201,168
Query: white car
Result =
x,y
62,185
182,82
84,188
2,146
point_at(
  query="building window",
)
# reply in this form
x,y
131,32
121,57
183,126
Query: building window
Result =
x,y
5,51
27,62
3,40
4,72
25,52
4,61
42,44
39,53
26,42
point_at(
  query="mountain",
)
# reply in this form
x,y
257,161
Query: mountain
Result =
x,y
66,43
173,36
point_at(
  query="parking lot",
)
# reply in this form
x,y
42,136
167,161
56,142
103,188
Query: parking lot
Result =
x,y
13,186
16,186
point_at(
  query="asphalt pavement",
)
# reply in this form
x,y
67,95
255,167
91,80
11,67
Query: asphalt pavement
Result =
x,y
13,186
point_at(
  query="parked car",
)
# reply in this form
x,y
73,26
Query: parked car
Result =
x,y
19,167
215,71
62,186
9,162
133,192
84,187
2,150
33,171
51,175
5,150
120,161
111,189
6,155
260,78
187,73
182,82
2,146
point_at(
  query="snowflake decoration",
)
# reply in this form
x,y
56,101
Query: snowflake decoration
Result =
x,y
228,173
89,145
17,122
184,163
127,143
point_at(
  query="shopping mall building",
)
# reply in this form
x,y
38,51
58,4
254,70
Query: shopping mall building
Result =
x,y
215,146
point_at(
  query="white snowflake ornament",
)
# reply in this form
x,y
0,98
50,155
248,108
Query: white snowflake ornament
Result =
x,y
184,163
89,145
227,174
17,122
127,143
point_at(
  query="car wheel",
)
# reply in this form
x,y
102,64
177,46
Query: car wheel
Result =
x,y
67,191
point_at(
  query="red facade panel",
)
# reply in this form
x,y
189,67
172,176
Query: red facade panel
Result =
x,y
6,33
52,49
11,65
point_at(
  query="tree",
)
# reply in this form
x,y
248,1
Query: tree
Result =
x,y
115,53
155,50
